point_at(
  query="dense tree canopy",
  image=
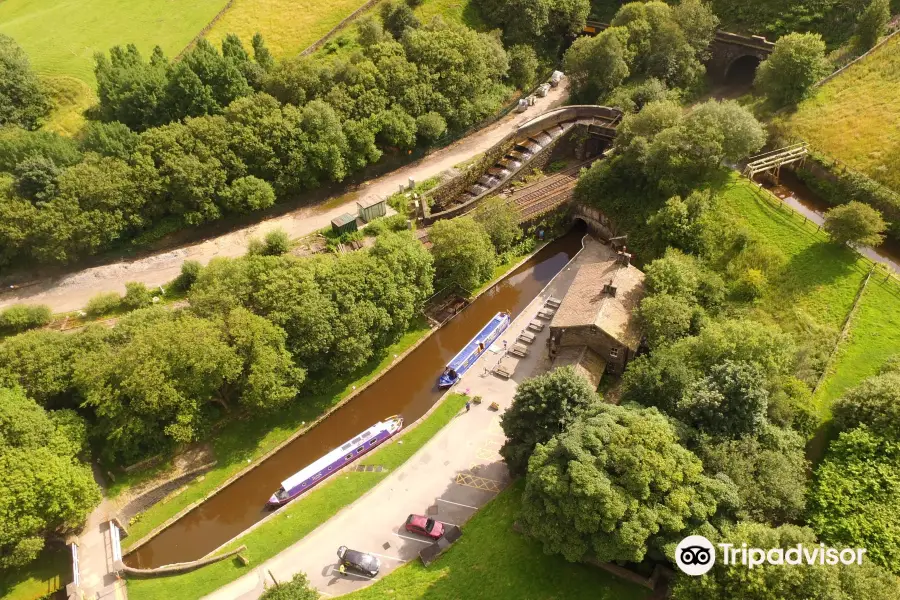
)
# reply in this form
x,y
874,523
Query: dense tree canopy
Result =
x,y
463,253
855,494
874,403
45,488
796,63
543,407
22,100
872,23
501,221
775,582
616,484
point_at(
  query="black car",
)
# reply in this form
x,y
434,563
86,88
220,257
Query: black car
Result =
x,y
360,561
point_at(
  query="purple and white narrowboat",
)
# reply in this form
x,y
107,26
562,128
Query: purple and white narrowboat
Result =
x,y
332,462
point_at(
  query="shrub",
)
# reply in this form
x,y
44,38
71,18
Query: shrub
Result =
x,y
190,270
796,63
103,304
430,127
523,65
137,295
277,242
751,285
872,23
21,317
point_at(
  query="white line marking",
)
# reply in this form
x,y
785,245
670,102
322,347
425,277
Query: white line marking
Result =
x,y
450,524
386,556
326,594
458,504
406,537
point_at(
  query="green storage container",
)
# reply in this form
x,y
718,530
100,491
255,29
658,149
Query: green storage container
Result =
x,y
346,223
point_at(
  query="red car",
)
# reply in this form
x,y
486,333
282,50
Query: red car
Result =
x,y
424,526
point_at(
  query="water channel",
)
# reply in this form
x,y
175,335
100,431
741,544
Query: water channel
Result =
x,y
408,388
798,196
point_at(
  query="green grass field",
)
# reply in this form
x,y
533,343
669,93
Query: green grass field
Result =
x,y
300,518
855,117
873,337
819,278
61,36
50,572
493,561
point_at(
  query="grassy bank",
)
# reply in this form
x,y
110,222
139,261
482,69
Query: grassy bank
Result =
x,y
239,441
855,117
818,280
493,561
873,337
50,572
301,517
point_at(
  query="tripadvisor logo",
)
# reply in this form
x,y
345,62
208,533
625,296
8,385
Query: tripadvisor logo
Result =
x,y
695,555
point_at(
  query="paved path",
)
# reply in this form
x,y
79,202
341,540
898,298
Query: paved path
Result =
x,y
95,555
454,474
72,291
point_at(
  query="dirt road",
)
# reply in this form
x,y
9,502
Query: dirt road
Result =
x,y
72,291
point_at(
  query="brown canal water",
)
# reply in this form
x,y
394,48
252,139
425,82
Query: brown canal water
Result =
x,y
798,196
409,388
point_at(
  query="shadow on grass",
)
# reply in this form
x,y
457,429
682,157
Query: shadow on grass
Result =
x,y
820,264
48,573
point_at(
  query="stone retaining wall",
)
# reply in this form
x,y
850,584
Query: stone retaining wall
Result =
x,y
177,568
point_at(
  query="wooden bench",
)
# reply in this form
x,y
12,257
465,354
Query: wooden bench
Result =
x,y
536,326
553,302
506,367
519,350
546,313
526,336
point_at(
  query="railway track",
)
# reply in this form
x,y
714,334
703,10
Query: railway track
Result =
x,y
545,195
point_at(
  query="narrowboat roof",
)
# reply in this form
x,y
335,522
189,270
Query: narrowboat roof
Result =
x,y
480,337
310,470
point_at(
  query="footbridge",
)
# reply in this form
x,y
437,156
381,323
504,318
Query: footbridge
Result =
x,y
727,50
529,147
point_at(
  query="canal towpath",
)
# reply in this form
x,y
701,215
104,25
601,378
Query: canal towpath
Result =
x,y
457,472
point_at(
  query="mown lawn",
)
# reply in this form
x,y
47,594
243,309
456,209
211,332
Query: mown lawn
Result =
x,y
874,336
61,36
288,26
242,441
855,117
459,11
493,561
50,572
300,518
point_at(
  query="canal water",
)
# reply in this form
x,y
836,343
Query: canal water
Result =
x,y
408,388
798,196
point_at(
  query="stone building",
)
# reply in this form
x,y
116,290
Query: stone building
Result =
x,y
594,329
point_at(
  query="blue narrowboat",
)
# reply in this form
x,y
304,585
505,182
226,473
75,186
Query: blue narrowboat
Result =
x,y
332,462
476,346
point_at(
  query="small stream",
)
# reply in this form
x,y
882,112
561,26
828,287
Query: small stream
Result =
x,y
798,196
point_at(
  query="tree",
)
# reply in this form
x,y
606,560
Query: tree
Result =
x,y
769,582
501,221
21,317
102,304
249,193
276,242
874,403
523,66
587,493
796,63
855,223
190,270
430,127
665,318
36,178
685,224
730,401
109,139
543,407
770,471
396,128
872,22
632,97
855,493
137,295
41,363
298,588
23,101
369,31
261,53
131,90
397,16
46,488
597,65
463,253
